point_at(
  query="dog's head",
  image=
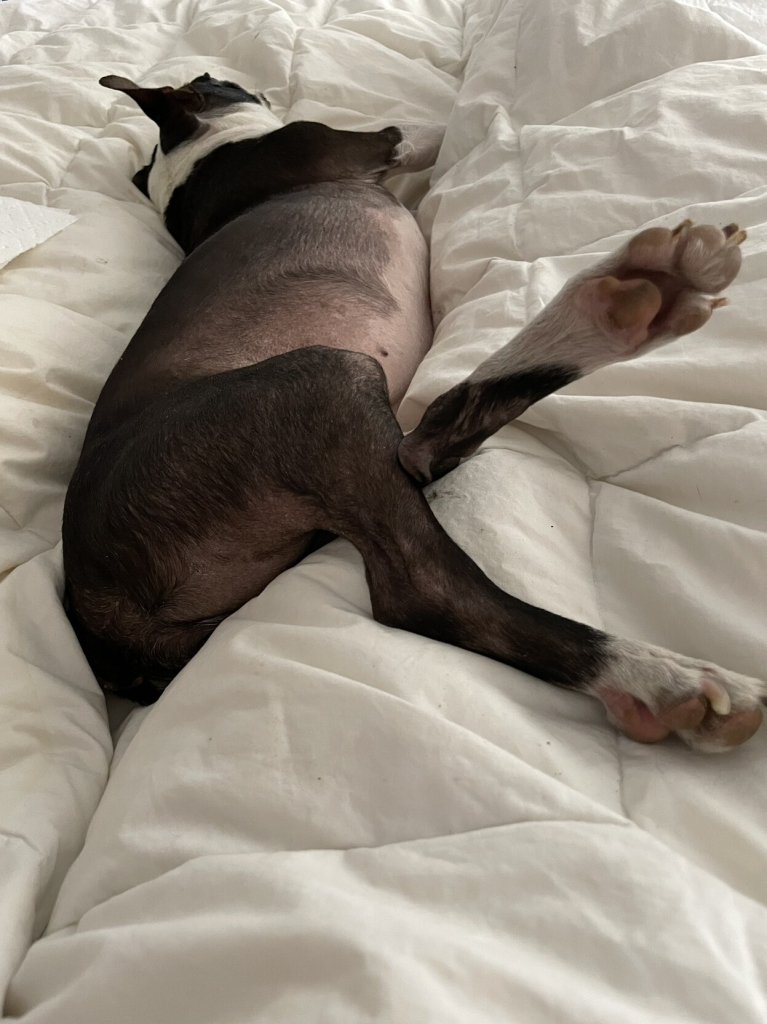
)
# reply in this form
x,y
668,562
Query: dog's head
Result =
x,y
193,120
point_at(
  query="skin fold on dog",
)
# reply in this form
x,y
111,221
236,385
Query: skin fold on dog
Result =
x,y
251,415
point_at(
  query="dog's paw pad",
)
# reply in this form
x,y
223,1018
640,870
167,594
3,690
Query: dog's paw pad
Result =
x,y
624,308
687,265
707,259
718,733
649,692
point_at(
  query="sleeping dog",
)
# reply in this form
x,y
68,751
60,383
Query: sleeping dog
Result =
x,y
251,416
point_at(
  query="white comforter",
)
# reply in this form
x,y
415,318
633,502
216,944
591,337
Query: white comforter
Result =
x,y
324,819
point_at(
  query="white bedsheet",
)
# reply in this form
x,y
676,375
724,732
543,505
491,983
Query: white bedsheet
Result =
x,y
324,819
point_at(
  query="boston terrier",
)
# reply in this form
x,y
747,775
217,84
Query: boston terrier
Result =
x,y
251,417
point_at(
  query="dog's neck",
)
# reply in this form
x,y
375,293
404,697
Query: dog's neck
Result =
x,y
245,121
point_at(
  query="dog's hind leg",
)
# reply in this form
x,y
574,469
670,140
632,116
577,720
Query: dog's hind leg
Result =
x,y
227,482
420,580
659,286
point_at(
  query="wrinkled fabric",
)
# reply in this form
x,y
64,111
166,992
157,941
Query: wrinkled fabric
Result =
x,y
324,819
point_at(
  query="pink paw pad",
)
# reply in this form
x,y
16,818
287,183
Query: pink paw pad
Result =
x,y
626,307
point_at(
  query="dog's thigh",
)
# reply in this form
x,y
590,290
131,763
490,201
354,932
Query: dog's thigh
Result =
x,y
178,517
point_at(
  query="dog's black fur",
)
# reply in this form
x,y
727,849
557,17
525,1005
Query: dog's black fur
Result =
x,y
459,420
301,442
230,439
301,155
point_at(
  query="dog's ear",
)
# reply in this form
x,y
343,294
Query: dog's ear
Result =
x,y
172,110
118,82
141,179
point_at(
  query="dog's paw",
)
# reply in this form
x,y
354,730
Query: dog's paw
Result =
x,y
699,257
662,284
650,692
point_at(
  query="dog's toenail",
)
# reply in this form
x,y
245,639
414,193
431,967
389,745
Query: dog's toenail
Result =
x,y
717,696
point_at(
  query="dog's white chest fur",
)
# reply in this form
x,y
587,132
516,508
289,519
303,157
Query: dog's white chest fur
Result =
x,y
245,121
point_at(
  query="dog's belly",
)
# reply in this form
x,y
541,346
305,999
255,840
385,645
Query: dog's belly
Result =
x,y
399,336
341,266
388,318
400,341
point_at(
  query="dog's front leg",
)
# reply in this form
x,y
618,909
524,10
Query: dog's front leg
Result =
x,y
418,148
659,286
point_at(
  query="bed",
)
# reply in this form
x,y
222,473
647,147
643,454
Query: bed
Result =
x,y
324,819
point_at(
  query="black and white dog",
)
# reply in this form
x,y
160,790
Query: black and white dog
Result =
x,y
250,417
